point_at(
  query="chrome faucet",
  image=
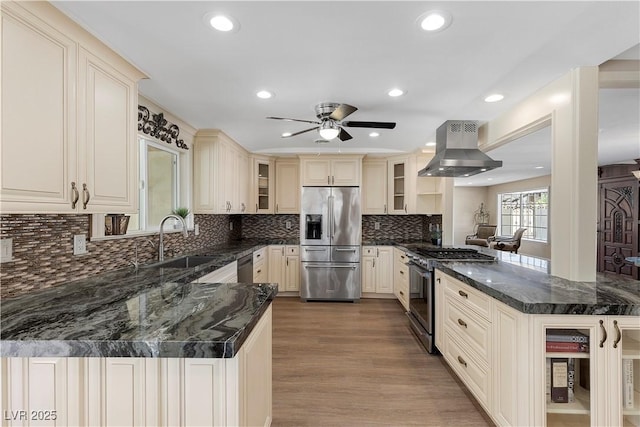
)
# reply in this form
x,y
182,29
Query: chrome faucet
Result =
x,y
185,233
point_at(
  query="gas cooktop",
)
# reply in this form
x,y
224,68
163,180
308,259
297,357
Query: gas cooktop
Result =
x,y
451,254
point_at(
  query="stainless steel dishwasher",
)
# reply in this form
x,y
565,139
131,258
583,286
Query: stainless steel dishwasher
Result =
x,y
245,269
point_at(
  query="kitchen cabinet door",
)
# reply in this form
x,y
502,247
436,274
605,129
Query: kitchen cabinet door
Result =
x,y
316,172
263,188
368,274
384,270
108,150
276,268
38,156
374,187
287,187
292,273
401,179
242,192
331,171
346,172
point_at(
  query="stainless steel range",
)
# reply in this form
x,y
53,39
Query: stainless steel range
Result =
x,y
421,286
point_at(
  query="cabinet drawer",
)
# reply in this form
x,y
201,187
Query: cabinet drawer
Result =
x,y
403,294
292,250
466,296
259,255
473,374
400,257
471,329
368,251
260,272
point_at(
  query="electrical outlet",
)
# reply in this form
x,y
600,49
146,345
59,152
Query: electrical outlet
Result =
x,y
230,226
196,229
376,225
6,250
79,244
288,225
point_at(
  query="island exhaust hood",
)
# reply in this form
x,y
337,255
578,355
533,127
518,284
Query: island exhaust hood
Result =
x,y
457,152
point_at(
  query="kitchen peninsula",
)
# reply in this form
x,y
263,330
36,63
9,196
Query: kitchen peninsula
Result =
x,y
146,346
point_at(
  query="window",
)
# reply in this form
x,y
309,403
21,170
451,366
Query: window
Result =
x,y
159,184
528,209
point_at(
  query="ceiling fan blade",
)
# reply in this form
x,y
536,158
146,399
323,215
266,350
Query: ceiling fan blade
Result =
x,y
342,111
293,120
302,131
344,135
375,125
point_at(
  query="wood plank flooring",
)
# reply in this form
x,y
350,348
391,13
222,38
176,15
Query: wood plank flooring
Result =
x,y
345,364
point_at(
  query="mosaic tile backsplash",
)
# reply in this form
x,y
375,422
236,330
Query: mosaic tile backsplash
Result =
x,y
43,244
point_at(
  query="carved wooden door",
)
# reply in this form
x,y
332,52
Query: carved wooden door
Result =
x,y
618,228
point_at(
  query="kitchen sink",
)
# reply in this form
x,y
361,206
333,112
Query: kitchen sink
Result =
x,y
184,262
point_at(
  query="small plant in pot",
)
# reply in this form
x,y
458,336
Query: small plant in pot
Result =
x,y
181,212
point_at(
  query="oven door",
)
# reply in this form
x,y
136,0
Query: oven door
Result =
x,y
421,310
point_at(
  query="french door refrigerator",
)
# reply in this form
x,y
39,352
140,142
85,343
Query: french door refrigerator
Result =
x,y
330,235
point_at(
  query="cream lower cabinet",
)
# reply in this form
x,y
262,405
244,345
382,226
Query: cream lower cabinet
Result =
x,y
260,266
401,277
377,269
501,356
143,391
77,151
284,267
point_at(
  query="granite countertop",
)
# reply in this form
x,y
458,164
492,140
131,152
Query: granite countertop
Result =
x,y
532,290
152,311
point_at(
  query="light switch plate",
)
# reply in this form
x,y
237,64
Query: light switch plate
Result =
x,y
376,225
288,225
6,250
230,225
196,229
79,244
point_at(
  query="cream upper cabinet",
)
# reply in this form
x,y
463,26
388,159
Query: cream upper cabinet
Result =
x,y
78,151
428,190
401,178
374,187
287,186
220,169
262,185
331,170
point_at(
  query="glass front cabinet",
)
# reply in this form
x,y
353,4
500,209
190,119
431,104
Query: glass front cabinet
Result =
x,y
589,370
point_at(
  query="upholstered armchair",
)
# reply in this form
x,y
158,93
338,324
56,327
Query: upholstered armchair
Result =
x,y
482,235
506,243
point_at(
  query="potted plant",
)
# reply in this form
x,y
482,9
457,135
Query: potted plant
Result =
x,y
436,234
182,212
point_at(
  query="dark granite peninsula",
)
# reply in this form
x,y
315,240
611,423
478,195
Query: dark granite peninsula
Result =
x,y
145,346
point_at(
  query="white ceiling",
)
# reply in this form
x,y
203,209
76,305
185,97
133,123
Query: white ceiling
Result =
x,y
309,52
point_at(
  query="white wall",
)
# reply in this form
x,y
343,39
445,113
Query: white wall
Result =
x,y
528,247
466,200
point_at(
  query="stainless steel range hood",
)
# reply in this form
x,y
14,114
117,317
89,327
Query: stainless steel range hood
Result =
x,y
457,152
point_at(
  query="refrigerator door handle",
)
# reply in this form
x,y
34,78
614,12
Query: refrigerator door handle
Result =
x,y
345,250
315,249
331,218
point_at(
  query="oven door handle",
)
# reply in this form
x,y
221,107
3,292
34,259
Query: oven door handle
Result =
x,y
417,326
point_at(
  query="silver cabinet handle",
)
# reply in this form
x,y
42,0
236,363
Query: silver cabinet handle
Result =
x,y
328,180
405,208
462,361
276,208
344,250
86,196
385,208
374,263
76,195
256,207
242,207
377,252
604,334
618,334
352,267
462,323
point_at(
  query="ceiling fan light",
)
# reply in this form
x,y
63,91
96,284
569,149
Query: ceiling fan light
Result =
x,y
329,130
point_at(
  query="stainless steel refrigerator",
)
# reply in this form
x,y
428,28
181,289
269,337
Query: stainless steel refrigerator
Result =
x,y
330,235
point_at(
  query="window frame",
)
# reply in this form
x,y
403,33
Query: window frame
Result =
x,y
529,233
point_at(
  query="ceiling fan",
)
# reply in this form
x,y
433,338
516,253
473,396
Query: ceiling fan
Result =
x,y
331,125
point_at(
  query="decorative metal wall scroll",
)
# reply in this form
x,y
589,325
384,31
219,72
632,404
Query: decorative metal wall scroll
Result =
x,y
156,125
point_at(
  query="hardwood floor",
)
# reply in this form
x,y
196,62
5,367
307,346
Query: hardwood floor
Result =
x,y
345,364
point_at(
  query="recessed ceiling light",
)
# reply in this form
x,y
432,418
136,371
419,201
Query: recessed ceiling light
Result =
x,y
286,134
374,134
494,98
222,22
430,144
434,20
264,94
396,92
539,167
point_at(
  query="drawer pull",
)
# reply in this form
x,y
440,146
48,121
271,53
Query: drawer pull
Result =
x,y
463,294
438,280
462,323
604,334
401,272
259,271
401,293
462,362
